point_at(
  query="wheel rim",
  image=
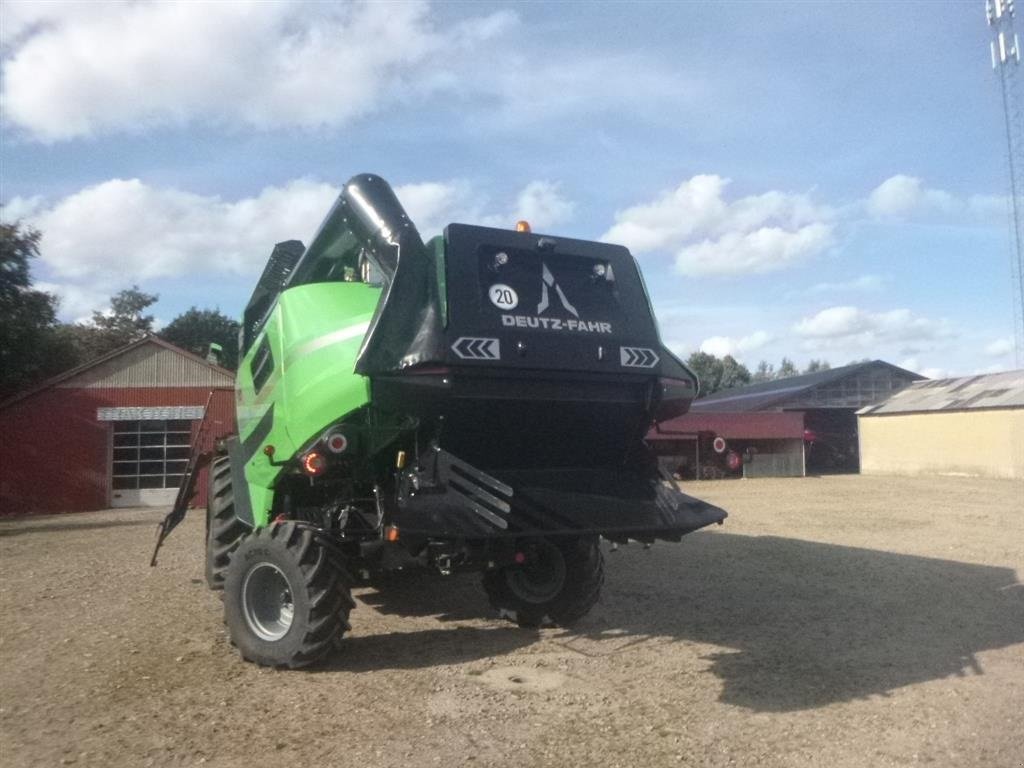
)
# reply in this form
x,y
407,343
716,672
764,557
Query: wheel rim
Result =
x,y
267,602
541,577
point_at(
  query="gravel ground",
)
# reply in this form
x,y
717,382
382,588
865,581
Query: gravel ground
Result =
x,y
841,621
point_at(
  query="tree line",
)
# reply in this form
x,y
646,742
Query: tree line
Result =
x,y
35,345
718,373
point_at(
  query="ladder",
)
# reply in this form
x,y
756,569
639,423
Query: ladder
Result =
x,y
186,491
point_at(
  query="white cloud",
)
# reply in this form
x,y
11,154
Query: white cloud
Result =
x,y
929,372
864,283
128,230
76,301
764,250
542,204
709,235
103,237
895,196
84,69
1000,347
21,208
720,346
901,197
432,205
78,69
859,328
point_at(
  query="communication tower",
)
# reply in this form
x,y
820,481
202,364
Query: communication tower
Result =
x,y
1005,50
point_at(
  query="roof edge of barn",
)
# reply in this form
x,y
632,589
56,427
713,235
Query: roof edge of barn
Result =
x,y
787,387
80,369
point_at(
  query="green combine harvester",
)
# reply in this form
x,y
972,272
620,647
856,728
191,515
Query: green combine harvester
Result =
x,y
476,402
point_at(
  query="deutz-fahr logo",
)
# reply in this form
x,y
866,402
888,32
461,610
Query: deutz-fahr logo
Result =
x,y
548,286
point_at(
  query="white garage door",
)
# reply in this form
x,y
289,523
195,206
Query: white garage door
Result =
x,y
149,458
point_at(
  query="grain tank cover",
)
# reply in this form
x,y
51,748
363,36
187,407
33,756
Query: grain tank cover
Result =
x,y
523,300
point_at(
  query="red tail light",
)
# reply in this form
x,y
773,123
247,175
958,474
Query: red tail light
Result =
x,y
428,370
314,464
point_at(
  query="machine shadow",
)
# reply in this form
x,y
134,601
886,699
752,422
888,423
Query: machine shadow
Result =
x,y
808,623
420,592
425,648
813,623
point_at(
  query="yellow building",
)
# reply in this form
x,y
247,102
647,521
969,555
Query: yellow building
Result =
x,y
967,426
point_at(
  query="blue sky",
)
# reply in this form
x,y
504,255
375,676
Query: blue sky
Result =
x,y
815,180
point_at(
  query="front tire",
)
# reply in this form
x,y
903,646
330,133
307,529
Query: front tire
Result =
x,y
223,529
558,583
286,597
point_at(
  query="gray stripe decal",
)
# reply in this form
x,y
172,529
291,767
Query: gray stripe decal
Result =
x,y
335,337
252,443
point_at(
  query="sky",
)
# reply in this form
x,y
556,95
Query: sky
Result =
x,y
809,180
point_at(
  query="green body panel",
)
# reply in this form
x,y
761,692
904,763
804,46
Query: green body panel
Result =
x,y
314,333
436,244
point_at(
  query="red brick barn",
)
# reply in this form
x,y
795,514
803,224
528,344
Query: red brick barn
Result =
x,y
115,432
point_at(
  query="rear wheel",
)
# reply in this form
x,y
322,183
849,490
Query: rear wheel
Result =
x,y
286,597
557,582
223,529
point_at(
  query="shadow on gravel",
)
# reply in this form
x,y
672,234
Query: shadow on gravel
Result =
x,y
810,623
425,648
425,593
23,528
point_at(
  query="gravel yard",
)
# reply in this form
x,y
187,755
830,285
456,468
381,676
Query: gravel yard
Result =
x,y
836,621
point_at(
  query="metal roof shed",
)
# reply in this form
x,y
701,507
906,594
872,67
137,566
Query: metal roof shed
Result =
x,y
973,425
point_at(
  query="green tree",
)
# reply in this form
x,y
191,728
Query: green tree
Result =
x,y
715,373
765,372
124,323
708,369
734,373
786,369
817,365
32,346
195,329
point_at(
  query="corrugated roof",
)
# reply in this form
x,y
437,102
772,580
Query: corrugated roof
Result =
x,y
150,365
222,375
993,390
772,394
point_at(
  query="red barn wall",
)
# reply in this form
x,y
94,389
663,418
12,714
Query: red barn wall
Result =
x,y
55,453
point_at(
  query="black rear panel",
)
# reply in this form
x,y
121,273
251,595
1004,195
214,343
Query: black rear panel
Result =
x,y
519,419
517,299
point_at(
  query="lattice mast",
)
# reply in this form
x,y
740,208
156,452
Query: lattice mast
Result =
x,y
1005,50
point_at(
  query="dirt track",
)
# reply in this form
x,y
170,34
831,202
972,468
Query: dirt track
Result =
x,y
845,621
